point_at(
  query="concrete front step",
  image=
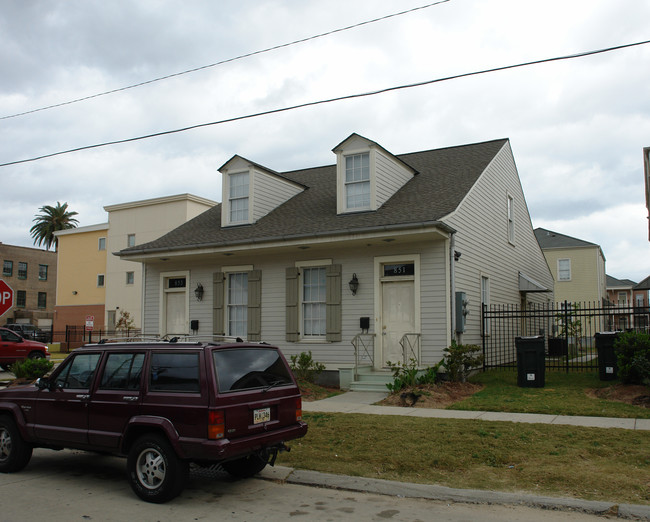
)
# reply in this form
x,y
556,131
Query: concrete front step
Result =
x,y
370,380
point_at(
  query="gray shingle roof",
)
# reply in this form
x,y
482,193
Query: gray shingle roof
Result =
x,y
612,282
444,178
550,239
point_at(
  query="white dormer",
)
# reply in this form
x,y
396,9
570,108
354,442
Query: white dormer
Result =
x,y
250,191
367,175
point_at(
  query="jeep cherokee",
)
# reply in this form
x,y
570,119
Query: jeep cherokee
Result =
x,y
163,405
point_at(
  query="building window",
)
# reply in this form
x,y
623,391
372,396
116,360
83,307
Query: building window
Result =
x,y
42,300
564,270
22,270
42,272
101,243
511,219
237,306
21,298
238,197
130,240
357,181
8,268
314,302
622,298
130,278
100,280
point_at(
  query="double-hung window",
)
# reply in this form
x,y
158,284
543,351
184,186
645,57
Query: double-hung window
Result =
x,y
22,270
238,197
511,219
314,308
237,305
7,268
42,299
564,270
357,181
42,272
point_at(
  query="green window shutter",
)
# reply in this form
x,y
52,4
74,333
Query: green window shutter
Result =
x,y
217,304
254,327
333,302
292,326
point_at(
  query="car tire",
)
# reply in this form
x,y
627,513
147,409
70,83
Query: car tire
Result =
x,y
15,453
245,467
36,355
155,472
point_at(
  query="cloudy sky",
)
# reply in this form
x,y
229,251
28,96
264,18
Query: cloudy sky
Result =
x,y
577,127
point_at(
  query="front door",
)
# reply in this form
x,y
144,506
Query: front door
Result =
x,y
398,317
175,313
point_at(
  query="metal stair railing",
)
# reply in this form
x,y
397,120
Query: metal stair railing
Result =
x,y
364,348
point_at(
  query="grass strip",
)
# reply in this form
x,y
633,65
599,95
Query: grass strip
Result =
x,y
561,461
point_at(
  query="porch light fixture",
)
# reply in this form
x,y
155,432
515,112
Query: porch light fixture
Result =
x,y
198,292
354,284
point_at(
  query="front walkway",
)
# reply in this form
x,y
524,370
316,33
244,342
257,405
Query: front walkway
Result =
x,y
364,402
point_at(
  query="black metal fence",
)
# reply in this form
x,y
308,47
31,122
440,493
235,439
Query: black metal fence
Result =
x,y
568,329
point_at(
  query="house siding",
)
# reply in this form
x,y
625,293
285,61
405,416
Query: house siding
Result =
x,y
433,304
389,177
268,193
482,239
586,284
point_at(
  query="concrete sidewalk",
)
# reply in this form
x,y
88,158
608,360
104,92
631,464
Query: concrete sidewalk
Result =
x,y
364,402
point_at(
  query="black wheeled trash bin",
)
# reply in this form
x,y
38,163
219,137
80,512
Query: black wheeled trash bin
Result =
x,y
607,361
530,361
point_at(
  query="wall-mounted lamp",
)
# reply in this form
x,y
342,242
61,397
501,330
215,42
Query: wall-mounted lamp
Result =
x,y
354,284
198,292
74,292
457,255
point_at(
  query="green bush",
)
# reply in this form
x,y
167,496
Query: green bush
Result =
x,y
460,359
633,357
31,369
406,375
305,368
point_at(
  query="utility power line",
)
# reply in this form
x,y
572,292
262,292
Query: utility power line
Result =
x,y
228,60
331,100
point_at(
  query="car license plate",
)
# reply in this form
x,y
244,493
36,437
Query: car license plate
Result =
x,y
261,415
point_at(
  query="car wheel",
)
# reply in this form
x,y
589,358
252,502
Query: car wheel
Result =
x,y
14,451
246,466
36,355
156,474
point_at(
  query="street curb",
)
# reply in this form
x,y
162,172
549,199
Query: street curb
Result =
x,y
446,494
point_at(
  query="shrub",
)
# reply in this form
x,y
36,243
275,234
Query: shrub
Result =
x,y
633,357
406,375
460,359
305,368
31,369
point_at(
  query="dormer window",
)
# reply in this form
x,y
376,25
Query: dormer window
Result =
x,y
238,197
367,175
357,181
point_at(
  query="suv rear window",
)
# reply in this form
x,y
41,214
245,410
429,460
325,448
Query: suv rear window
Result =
x,y
247,368
174,372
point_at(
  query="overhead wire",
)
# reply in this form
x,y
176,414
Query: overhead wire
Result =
x,y
331,100
228,60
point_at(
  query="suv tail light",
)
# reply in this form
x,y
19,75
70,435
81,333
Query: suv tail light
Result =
x,y
216,425
299,408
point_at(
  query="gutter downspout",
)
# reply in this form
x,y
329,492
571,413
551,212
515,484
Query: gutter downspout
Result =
x,y
452,283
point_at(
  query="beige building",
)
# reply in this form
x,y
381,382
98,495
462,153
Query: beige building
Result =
x,y
93,281
31,274
134,223
578,267
81,282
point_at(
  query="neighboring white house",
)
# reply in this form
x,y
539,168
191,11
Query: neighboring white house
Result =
x,y
383,243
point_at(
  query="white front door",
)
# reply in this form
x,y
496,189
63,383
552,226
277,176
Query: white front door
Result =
x,y
398,318
175,313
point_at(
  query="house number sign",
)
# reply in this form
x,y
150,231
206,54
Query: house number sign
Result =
x,y
403,269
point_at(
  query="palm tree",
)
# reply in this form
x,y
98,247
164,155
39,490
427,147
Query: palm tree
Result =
x,y
49,221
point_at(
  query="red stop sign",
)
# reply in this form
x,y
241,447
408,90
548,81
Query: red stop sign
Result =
x,y
6,297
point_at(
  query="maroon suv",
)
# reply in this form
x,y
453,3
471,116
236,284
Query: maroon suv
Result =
x,y
164,405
